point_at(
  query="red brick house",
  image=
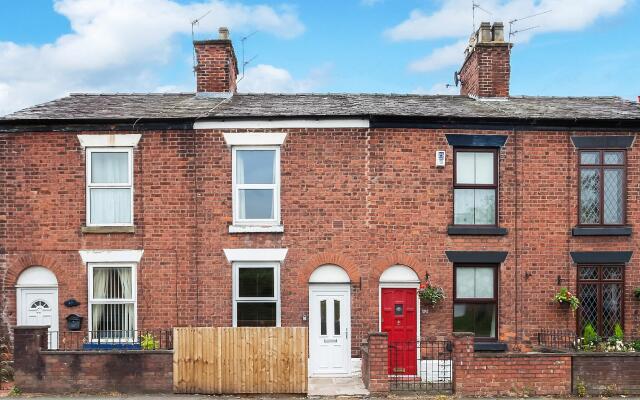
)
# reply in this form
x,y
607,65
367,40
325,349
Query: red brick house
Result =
x,y
327,210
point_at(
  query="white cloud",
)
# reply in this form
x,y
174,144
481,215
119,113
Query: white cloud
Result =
x,y
265,78
453,19
115,45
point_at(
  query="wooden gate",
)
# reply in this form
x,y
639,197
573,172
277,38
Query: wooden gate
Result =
x,y
240,360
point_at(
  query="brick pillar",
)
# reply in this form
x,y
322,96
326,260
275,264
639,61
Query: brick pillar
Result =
x,y
378,362
27,363
463,357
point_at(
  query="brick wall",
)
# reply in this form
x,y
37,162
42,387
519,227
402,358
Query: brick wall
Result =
x,y
38,371
217,67
375,362
508,374
361,198
606,373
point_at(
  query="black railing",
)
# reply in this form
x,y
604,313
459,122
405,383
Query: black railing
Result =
x,y
421,366
557,340
562,340
151,339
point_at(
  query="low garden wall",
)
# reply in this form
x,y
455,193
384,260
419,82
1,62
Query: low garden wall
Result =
x,y
508,374
127,371
375,359
606,373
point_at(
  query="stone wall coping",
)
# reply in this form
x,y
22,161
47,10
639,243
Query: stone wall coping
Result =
x,y
462,334
520,355
605,354
385,334
104,352
29,327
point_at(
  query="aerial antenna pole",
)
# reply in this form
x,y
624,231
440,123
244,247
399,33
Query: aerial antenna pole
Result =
x,y
513,21
245,63
475,5
193,37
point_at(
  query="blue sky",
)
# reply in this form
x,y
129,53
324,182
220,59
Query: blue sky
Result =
x,y
51,48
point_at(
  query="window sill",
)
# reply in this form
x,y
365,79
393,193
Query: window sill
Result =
x,y
256,229
602,231
476,230
108,229
490,346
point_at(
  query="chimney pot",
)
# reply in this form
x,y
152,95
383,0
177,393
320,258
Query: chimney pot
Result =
x,y
498,32
484,33
223,33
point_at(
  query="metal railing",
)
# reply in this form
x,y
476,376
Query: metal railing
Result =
x,y
148,339
568,341
421,366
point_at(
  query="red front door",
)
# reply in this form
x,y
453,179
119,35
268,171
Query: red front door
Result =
x,y
399,321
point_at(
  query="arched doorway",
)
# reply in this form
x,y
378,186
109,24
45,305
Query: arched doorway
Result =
x,y
400,317
329,322
37,300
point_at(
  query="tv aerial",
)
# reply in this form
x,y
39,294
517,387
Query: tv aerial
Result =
x,y
513,21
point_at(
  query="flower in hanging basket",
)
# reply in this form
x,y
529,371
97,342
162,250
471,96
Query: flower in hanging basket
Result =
x,y
430,294
564,296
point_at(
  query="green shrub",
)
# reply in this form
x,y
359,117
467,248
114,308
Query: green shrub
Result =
x,y
618,333
581,389
589,336
148,342
6,371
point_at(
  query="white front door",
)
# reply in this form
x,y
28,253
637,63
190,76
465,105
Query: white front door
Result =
x,y
329,329
39,307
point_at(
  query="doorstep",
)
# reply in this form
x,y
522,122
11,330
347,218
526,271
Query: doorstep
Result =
x,y
347,386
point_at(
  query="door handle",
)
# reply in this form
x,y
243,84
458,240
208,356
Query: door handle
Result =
x,y
346,333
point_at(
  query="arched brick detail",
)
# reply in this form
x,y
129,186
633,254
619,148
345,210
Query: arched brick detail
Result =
x,y
395,258
30,260
331,258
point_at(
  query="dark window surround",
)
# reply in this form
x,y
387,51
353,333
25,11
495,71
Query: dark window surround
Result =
x,y
601,257
602,142
494,300
599,282
479,230
495,186
476,257
462,140
602,231
601,166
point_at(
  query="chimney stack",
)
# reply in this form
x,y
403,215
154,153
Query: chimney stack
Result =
x,y
217,67
487,67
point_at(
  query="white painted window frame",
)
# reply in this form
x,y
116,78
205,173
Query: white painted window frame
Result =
x,y
274,186
134,295
276,287
89,185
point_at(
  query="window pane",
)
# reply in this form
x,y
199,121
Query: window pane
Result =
x,y
588,273
614,157
110,206
485,206
589,196
109,167
588,295
611,307
474,283
112,283
464,213
612,273
484,168
465,283
336,317
323,317
613,196
256,314
256,282
465,167
255,166
590,157
114,320
255,203
477,318
484,283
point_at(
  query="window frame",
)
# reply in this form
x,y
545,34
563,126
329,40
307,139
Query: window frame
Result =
x,y
91,300
601,166
494,300
236,187
495,186
237,265
89,185
599,282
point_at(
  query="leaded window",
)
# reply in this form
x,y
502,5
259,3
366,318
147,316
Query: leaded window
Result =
x,y
602,187
475,188
600,290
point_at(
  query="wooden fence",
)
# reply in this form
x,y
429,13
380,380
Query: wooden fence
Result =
x,y
240,360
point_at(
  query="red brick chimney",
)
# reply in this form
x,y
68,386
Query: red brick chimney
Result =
x,y
217,68
487,67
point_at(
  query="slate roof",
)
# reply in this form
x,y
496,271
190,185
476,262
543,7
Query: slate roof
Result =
x,y
188,106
